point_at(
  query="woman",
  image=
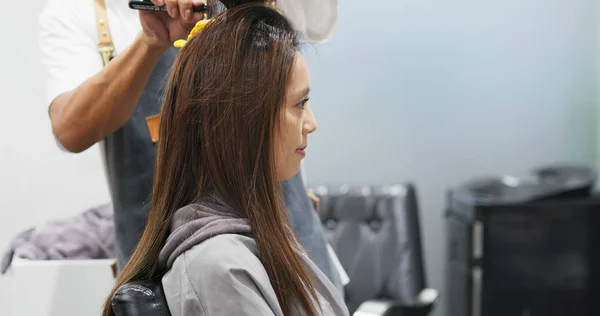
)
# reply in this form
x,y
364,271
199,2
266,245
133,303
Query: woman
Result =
x,y
234,123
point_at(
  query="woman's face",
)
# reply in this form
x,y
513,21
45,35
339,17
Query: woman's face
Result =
x,y
295,123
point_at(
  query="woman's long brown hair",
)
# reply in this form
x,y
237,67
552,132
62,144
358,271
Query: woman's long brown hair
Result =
x,y
218,121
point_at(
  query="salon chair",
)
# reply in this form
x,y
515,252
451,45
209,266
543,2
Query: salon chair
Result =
x,y
140,299
375,232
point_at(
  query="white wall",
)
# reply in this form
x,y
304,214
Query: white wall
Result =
x,y
38,182
436,91
406,90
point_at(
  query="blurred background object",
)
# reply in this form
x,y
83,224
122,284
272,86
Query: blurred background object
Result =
x,y
524,246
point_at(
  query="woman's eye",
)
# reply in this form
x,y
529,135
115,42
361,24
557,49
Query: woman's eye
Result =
x,y
301,104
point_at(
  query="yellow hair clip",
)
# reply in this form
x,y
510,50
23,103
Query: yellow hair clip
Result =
x,y
199,26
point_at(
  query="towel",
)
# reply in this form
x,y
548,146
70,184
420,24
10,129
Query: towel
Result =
x,y
89,235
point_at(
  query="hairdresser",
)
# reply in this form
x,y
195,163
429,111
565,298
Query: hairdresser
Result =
x,y
108,93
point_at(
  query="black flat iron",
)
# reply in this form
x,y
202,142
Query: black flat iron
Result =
x,y
212,7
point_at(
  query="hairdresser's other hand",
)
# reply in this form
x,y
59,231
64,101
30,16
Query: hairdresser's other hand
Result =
x,y
161,29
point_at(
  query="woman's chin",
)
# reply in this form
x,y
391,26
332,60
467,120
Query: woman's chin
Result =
x,y
288,174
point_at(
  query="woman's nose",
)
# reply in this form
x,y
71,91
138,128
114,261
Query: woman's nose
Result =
x,y
310,122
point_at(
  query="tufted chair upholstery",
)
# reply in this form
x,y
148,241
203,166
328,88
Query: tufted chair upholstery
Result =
x,y
375,232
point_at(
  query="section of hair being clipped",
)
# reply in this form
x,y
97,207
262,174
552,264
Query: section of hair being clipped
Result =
x,y
215,7
217,129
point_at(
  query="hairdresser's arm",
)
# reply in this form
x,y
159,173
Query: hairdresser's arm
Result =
x,y
104,102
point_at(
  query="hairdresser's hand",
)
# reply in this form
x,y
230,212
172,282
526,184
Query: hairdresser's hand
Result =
x,y
161,29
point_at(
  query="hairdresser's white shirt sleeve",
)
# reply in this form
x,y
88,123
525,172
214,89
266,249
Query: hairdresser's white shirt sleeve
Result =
x,y
315,18
68,38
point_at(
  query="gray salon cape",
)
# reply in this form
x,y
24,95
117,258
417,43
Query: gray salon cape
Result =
x,y
214,268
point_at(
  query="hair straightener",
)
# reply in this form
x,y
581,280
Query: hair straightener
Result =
x,y
147,5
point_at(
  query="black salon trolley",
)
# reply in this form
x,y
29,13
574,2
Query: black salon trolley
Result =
x,y
524,247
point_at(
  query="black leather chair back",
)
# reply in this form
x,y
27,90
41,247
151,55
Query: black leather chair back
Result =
x,y
140,299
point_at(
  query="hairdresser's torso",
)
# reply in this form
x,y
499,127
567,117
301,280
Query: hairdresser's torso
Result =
x,y
224,276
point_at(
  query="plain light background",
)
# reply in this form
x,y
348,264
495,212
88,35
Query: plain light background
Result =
x,y
38,182
427,91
